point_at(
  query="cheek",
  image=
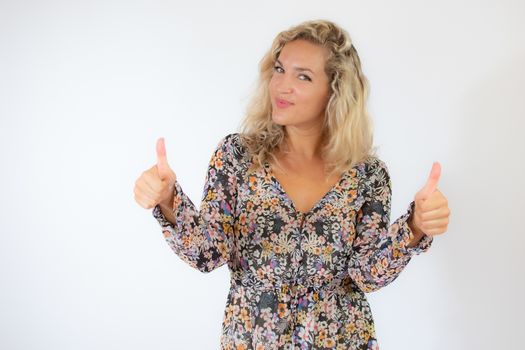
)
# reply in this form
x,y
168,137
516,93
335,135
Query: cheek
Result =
x,y
322,100
272,82
312,99
271,88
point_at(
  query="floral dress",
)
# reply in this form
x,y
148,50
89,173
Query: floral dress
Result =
x,y
298,280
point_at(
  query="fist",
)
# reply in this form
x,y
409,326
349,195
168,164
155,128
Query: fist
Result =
x,y
431,212
155,185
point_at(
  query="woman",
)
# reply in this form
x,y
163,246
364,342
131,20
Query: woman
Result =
x,y
298,204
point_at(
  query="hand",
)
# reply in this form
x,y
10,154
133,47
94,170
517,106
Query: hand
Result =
x,y
431,211
155,185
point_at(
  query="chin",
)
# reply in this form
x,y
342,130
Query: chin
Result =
x,y
280,120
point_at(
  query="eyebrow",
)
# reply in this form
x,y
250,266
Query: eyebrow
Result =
x,y
298,68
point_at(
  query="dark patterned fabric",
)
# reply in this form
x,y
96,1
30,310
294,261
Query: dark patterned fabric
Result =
x,y
298,280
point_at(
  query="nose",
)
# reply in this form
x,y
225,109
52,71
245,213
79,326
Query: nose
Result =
x,y
284,84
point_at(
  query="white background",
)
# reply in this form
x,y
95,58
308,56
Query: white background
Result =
x,y
87,87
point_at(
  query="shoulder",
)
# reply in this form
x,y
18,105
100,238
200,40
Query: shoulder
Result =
x,y
375,164
231,139
376,170
231,146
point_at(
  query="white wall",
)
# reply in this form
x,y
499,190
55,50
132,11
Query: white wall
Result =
x,y
87,87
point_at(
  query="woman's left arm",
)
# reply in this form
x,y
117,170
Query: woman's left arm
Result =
x,y
381,250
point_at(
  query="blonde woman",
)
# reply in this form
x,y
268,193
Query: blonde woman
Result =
x,y
297,204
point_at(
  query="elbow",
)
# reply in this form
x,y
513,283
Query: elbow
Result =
x,y
205,268
207,265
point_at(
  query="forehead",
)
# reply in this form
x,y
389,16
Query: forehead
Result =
x,y
304,54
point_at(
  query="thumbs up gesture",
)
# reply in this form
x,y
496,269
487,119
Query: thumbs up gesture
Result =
x,y
155,185
431,213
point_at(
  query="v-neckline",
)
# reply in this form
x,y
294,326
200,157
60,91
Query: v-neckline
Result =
x,y
269,172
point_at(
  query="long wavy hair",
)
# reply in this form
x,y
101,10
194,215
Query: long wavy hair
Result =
x,y
347,135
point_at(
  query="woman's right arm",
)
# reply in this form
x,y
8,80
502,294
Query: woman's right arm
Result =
x,y
203,237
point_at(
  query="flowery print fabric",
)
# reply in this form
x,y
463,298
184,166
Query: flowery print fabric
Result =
x,y
298,280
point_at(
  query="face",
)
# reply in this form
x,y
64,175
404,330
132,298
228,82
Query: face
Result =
x,y
300,80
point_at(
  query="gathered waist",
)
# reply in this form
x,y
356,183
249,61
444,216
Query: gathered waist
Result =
x,y
299,287
287,298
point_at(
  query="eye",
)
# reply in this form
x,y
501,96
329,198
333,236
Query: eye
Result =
x,y
307,78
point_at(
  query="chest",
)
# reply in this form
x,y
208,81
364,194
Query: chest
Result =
x,y
305,186
275,241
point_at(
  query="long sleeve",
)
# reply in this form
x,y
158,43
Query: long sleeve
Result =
x,y
204,238
380,250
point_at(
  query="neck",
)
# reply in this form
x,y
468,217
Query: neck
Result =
x,y
303,144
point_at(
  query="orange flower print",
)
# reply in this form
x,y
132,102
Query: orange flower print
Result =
x,y
218,160
352,195
241,346
223,249
322,334
329,343
253,183
282,310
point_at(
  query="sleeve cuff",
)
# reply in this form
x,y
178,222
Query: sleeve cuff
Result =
x,y
407,235
157,212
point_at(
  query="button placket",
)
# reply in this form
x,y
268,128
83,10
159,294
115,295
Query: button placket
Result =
x,y
299,273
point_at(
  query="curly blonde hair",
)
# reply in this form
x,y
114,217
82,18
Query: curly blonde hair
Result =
x,y
347,136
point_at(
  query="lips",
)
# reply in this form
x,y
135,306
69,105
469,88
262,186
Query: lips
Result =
x,y
282,103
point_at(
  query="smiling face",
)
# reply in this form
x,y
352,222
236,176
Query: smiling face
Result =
x,y
300,79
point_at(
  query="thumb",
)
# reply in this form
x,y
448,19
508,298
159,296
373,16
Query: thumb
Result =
x,y
162,162
432,182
